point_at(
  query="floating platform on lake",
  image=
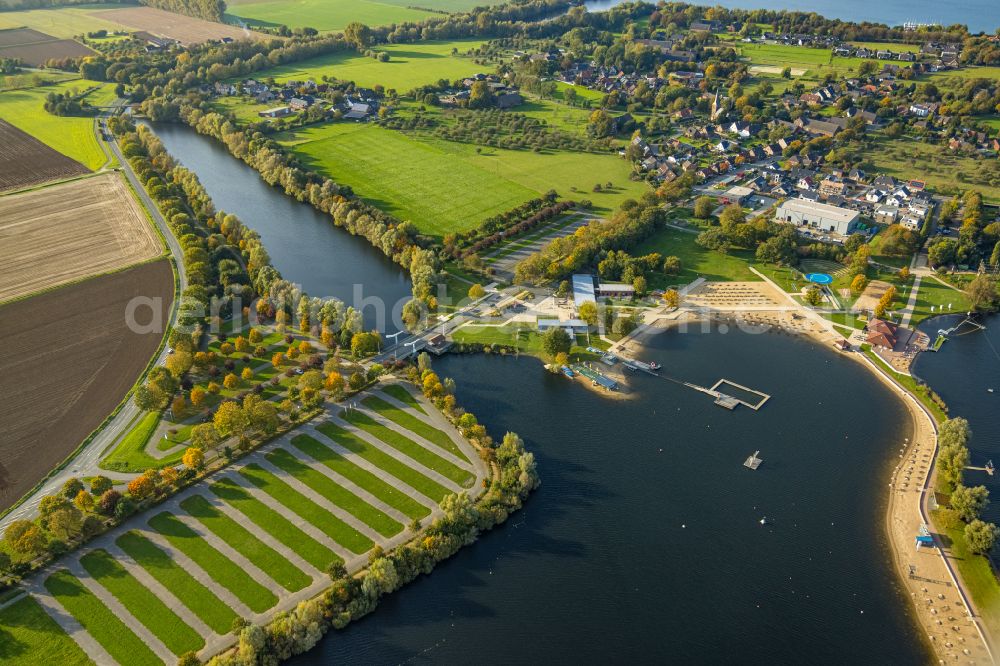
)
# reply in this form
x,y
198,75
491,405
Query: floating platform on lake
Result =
x,y
727,401
596,377
753,462
718,388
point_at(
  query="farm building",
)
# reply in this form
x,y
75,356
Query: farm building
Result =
x,y
804,213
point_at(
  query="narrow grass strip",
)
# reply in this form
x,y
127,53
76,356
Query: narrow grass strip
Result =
x,y
275,524
30,637
414,425
145,606
323,520
394,497
383,460
255,596
103,625
408,447
401,394
199,599
238,537
335,493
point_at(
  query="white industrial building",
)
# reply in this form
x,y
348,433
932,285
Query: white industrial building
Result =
x,y
815,215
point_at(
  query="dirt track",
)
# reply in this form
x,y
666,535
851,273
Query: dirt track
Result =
x,y
184,29
67,359
26,161
69,231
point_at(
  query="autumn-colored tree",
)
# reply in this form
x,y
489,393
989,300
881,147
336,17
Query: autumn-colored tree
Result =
x,y
178,405
254,336
263,415
334,383
213,388
292,353
24,537
858,284
100,485
327,337
193,458
179,362
226,348
203,359
562,358
204,436
65,523
141,487
231,381
84,501
242,345
476,291
230,420
198,395
277,359
169,476
109,502
72,487
904,273
672,298
311,379
305,347
247,374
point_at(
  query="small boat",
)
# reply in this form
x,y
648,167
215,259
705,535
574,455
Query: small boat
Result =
x,y
990,390
989,467
566,371
763,521
653,365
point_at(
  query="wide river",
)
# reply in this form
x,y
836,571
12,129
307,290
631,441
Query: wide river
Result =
x,y
644,542
978,15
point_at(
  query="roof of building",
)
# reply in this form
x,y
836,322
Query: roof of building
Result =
x,y
583,289
739,191
615,286
826,210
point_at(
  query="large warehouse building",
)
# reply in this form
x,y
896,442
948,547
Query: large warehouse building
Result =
x,y
805,213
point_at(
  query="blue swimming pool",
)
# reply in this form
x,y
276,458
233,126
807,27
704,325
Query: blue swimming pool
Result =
x,y
819,278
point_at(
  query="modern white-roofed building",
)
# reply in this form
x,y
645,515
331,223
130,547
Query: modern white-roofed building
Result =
x,y
805,213
583,289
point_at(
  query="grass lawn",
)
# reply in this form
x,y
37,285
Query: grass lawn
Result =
x,y
275,524
142,603
404,396
336,494
443,186
527,340
384,461
409,65
213,612
366,481
409,448
256,597
240,538
309,511
64,23
940,296
414,425
71,136
112,634
696,261
324,15
129,455
29,636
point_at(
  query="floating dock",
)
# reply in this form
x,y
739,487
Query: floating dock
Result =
x,y
753,462
596,377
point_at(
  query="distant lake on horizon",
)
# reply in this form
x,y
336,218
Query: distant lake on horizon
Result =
x,y
978,15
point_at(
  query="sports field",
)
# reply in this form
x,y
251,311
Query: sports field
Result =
x,y
323,15
409,65
256,536
71,136
442,186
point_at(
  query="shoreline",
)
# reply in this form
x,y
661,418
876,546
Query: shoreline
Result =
x,y
949,626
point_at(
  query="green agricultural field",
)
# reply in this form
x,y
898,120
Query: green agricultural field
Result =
x,y
385,462
335,494
29,636
275,524
409,448
414,425
124,646
64,23
308,510
145,606
209,608
404,396
365,480
443,186
257,597
71,136
323,15
696,261
240,538
409,65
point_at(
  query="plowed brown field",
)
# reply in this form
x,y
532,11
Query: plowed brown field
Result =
x,y
184,29
67,358
69,231
26,161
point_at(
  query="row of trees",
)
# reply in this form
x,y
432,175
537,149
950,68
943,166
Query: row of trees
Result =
x,y
508,224
210,10
968,503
